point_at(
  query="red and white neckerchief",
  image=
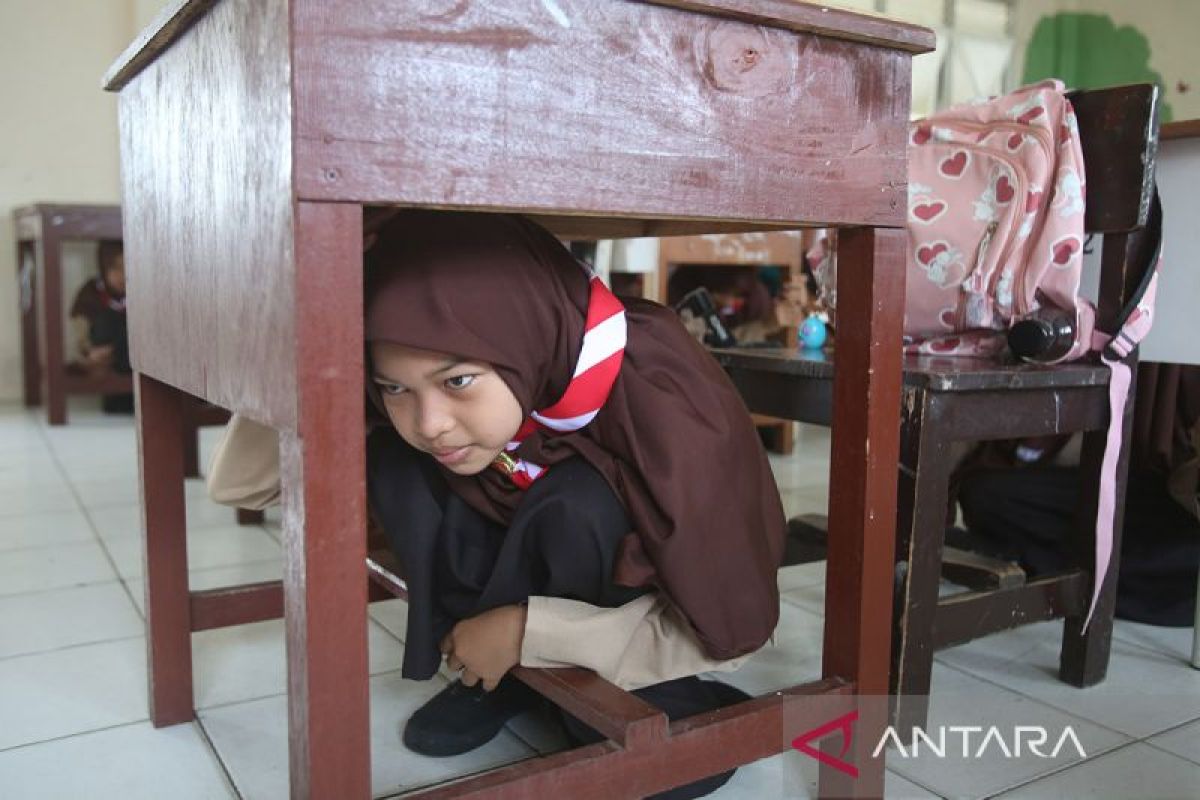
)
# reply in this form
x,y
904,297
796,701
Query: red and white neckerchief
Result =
x,y
595,372
106,297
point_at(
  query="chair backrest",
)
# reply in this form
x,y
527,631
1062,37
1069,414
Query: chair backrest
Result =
x,y
1118,130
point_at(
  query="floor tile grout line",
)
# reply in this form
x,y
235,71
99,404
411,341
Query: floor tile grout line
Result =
x,y
216,755
1162,749
64,587
75,734
1037,700
916,783
88,517
52,546
1091,759
1146,740
1154,648
72,646
257,698
233,565
391,794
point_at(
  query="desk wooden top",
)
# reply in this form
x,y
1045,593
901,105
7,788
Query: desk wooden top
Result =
x,y
179,15
1183,129
86,221
603,119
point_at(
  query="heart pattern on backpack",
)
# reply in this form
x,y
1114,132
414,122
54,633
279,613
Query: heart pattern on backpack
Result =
x,y
1063,251
953,166
929,211
1004,189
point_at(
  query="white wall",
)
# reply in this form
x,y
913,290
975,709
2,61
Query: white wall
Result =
x,y
58,138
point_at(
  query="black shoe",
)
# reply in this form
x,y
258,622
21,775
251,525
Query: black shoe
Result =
x,y
807,540
117,404
460,718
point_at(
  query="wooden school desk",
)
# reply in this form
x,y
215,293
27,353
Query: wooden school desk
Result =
x,y
253,135
41,231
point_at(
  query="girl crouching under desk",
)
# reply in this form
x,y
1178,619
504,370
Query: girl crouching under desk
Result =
x,y
568,479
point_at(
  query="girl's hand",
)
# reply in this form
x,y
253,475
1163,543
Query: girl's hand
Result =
x,y
487,646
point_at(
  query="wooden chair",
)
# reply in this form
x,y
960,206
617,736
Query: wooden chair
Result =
x,y
956,399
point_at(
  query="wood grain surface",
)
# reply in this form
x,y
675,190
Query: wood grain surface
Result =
x,y
178,15
818,18
614,109
205,143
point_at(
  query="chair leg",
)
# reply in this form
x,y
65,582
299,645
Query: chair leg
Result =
x,y
920,535
164,528
1084,655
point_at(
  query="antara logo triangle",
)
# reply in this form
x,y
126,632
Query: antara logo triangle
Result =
x,y
843,724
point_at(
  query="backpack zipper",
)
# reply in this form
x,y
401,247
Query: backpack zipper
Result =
x,y
1045,140
1018,202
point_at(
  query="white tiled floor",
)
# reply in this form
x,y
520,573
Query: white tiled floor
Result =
x,y
73,714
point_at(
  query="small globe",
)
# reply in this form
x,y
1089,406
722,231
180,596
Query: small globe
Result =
x,y
812,334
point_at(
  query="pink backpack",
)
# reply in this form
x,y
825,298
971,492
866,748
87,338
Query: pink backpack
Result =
x,y
995,221
996,232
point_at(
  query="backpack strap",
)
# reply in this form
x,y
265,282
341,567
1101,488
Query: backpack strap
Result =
x,y
1133,323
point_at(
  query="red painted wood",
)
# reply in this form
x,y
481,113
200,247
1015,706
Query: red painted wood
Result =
x,y
324,513
695,747
50,299
864,453
164,532
177,16
237,605
492,106
636,115
211,306
622,717
834,23
252,602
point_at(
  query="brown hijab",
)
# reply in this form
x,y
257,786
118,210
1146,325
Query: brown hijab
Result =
x,y
674,440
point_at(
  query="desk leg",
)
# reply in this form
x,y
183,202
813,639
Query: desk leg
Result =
x,y
164,531
324,514
27,309
52,327
862,502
